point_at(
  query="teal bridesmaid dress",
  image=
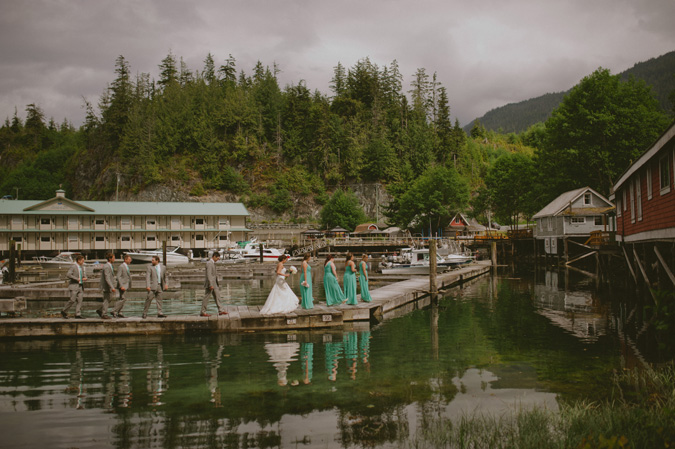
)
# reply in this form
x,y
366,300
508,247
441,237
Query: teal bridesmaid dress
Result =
x,y
334,295
307,301
365,293
349,285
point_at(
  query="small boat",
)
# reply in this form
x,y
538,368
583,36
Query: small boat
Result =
x,y
173,257
413,261
251,250
454,260
61,260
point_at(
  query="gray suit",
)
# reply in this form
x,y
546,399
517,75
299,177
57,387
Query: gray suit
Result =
x,y
156,285
123,282
108,284
75,287
211,280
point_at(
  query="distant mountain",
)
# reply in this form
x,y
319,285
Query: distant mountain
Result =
x,y
516,117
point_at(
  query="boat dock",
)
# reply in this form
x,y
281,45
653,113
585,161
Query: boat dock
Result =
x,y
386,301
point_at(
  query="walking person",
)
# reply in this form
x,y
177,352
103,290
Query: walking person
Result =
x,y
334,295
108,284
349,280
363,279
123,283
281,298
76,277
307,300
155,282
212,286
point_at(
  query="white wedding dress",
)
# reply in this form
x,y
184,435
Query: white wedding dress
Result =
x,y
281,299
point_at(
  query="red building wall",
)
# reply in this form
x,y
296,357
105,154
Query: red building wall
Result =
x,y
658,213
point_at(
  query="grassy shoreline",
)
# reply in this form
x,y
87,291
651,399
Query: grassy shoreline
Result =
x,y
639,414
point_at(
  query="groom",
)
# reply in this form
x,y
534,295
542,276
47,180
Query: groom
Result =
x,y
212,286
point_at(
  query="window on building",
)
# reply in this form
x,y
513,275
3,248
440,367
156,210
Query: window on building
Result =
x,y
638,196
649,182
223,221
199,221
126,238
150,222
223,237
45,239
618,207
17,238
550,224
100,238
175,238
17,221
664,175
199,237
72,238
150,238
578,220
624,199
587,199
100,221
598,220
632,202
45,221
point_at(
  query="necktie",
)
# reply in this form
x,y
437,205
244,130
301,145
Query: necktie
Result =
x,y
111,268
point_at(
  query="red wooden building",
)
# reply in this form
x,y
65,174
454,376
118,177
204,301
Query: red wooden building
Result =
x,y
645,212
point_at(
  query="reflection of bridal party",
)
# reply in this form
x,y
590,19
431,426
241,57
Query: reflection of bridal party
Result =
x,y
282,299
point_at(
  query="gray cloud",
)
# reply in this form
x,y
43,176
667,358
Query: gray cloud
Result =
x,y
487,54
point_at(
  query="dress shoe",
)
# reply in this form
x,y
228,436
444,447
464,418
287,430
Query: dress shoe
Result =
x,y
222,313
105,317
204,314
161,316
79,317
64,314
100,313
119,315
144,316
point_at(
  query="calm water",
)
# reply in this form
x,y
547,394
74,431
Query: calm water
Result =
x,y
498,344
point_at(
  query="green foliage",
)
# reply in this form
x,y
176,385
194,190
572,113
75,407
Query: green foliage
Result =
x,y
430,201
510,188
343,209
599,128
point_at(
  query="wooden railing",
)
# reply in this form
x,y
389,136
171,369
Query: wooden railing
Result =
x,y
601,238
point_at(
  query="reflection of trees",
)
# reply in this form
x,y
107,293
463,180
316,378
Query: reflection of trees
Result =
x,y
372,429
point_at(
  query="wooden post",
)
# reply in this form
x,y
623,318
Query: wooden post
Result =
x,y
12,261
164,252
493,253
261,252
432,268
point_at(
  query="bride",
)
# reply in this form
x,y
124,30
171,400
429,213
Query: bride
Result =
x,y
281,299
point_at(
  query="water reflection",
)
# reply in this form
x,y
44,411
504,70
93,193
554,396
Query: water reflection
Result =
x,y
491,346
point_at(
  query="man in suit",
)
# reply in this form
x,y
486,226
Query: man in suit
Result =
x,y
108,284
212,286
76,277
155,282
123,283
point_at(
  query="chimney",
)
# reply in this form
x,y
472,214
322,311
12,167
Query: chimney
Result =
x,y
60,193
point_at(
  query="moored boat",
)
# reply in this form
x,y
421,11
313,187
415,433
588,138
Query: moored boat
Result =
x,y
173,257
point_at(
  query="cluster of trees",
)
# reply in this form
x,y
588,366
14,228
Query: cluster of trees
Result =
x,y
223,129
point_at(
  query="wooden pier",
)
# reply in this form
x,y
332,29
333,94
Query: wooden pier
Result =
x,y
386,300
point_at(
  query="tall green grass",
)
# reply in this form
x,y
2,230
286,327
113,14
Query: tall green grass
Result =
x,y
639,414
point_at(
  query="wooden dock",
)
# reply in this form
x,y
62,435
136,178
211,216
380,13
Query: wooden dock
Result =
x,y
247,318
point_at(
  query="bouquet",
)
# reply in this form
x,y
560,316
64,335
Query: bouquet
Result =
x,y
293,270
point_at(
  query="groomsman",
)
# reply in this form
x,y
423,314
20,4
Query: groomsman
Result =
x,y
76,277
155,282
108,283
212,286
123,283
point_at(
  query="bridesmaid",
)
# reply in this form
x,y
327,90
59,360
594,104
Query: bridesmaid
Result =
x,y
306,283
349,280
334,295
363,279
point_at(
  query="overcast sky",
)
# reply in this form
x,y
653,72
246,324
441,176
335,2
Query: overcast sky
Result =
x,y
488,53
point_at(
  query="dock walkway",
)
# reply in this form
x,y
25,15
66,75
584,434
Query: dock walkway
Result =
x,y
246,318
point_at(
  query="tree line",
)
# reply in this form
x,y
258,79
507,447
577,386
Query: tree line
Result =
x,y
223,129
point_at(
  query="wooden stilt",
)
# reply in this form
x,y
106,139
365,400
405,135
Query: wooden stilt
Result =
x,y
665,266
630,265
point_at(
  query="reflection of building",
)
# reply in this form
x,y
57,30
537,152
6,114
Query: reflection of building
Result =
x,y
61,224
574,311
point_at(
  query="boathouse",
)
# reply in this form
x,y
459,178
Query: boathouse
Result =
x,y
573,215
460,226
62,224
645,213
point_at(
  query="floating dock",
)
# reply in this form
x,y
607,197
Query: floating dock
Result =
x,y
386,300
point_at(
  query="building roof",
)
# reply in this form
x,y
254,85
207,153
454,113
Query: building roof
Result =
x,y
668,135
28,207
558,205
366,227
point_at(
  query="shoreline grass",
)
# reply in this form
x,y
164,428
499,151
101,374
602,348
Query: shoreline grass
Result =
x,y
639,414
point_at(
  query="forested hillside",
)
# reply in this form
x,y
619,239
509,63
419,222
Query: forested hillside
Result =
x,y
659,73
